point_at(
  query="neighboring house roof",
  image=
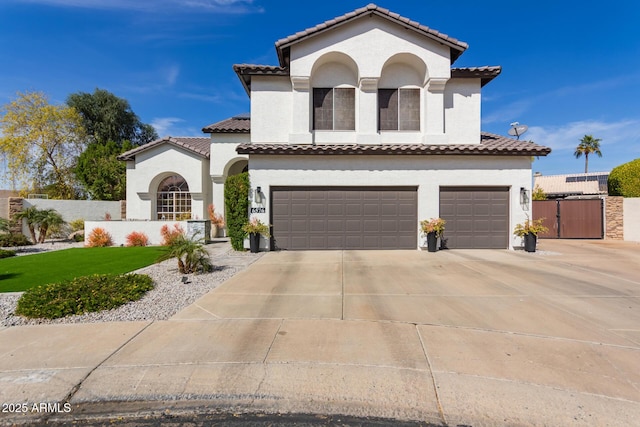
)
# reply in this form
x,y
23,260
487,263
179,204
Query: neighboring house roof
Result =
x,y
196,144
236,124
282,46
493,145
573,184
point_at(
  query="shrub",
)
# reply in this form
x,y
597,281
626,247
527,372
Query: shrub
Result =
x,y
14,239
82,295
99,237
6,254
256,226
236,199
137,238
191,255
216,218
624,180
538,194
169,235
77,224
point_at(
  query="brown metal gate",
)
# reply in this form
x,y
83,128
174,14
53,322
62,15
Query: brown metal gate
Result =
x,y
571,219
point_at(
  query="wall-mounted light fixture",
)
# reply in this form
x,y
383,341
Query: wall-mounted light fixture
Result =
x,y
258,195
524,198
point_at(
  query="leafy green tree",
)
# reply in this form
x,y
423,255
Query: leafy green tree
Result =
x,y
236,200
588,145
101,173
41,142
107,117
624,180
112,129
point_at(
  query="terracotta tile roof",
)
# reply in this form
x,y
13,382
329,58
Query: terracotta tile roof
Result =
x,y
246,71
573,184
236,124
492,145
196,144
486,73
457,47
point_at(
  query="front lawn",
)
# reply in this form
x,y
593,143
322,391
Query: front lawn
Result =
x,y
21,273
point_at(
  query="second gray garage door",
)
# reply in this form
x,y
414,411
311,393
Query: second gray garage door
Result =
x,y
477,217
344,217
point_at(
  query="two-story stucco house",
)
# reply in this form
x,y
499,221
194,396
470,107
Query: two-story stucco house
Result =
x,y
363,129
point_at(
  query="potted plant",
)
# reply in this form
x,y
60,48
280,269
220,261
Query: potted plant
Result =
x,y
217,221
529,231
254,229
433,229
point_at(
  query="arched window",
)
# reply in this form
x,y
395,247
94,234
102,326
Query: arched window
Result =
x,y
174,199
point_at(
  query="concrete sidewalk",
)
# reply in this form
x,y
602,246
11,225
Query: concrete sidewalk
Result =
x,y
451,338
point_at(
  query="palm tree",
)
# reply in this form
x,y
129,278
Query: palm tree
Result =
x,y
32,216
191,255
588,145
48,218
4,224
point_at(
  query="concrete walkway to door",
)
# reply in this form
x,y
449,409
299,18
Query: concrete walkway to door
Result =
x,y
460,337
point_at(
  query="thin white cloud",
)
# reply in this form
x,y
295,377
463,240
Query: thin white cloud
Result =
x,y
568,136
166,125
223,6
171,74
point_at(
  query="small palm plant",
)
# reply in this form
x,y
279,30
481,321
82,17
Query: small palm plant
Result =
x,y
48,218
191,255
32,216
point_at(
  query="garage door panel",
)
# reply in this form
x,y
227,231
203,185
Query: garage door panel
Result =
x,y
353,226
334,209
335,226
299,209
476,217
298,226
345,218
317,226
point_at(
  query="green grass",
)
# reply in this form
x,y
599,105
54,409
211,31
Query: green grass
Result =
x,y
21,273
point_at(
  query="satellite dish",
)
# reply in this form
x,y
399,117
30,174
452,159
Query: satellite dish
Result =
x,y
517,129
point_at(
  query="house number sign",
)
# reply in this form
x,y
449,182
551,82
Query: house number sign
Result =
x,y
258,210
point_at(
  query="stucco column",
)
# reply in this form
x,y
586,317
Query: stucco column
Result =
x,y
301,128
367,109
433,115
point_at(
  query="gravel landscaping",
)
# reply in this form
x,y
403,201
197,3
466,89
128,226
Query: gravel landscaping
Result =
x,y
169,296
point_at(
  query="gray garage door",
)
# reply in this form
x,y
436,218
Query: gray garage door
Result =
x,y
476,217
344,217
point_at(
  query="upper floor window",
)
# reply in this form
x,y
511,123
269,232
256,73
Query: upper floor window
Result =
x,y
334,108
399,109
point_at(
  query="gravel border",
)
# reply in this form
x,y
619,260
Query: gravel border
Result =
x,y
169,295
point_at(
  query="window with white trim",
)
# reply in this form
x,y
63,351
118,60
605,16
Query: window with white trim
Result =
x,y
398,109
334,108
173,202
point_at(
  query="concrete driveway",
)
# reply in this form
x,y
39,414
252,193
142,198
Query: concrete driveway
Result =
x,y
454,337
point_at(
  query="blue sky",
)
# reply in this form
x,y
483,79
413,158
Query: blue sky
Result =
x,y
569,68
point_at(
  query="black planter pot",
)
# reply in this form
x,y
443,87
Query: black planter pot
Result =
x,y
530,242
432,242
254,242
